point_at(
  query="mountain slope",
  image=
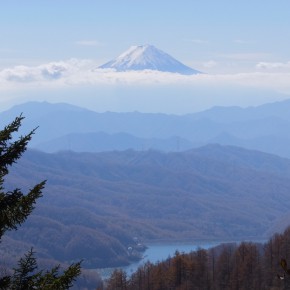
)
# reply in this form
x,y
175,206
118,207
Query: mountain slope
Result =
x,y
236,114
100,141
264,128
96,203
147,57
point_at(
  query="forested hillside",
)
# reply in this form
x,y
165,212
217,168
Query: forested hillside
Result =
x,y
96,205
241,266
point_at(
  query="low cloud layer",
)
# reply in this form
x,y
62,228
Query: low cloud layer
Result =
x,y
75,75
93,43
274,65
81,72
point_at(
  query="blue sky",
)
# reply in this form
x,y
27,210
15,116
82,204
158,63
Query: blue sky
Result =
x,y
243,46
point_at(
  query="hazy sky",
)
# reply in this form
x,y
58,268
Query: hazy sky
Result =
x,y
49,51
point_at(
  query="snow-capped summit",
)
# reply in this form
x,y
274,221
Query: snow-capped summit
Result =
x,y
148,57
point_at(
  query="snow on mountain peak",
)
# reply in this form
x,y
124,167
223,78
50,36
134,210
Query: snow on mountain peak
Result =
x,y
147,57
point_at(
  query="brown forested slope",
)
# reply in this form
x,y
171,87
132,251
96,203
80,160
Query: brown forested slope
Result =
x,y
95,204
241,266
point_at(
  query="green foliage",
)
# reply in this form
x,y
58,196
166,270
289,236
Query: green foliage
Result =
x,y
26,276
12,151
15,207
22,277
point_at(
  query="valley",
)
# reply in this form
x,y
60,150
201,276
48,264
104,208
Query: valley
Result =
x,y
96,203
117,182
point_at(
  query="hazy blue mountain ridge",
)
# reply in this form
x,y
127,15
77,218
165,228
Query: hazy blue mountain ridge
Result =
x,y
100,141
66,127
233,113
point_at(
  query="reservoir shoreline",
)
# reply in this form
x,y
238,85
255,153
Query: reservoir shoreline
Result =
x,y
157,251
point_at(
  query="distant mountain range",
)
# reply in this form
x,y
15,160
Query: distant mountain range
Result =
x,y
148,57
67,127
95,204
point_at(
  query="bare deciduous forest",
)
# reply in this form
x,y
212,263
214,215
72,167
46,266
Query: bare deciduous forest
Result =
x,y
227,267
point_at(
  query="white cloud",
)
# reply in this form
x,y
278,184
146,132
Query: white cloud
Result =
x,y
245,56
26,74
93,43
273,65
18,74
210,64
77,75
197,41
240,41
43,73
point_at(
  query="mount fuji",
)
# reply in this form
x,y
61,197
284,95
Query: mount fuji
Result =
x,y
148,57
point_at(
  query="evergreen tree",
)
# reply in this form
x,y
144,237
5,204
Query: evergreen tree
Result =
x,y
15,207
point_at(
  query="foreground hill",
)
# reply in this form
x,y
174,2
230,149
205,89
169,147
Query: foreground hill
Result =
x,y
228,266
98,205
66,127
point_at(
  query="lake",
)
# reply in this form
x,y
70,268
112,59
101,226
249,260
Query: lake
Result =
x,y
159,252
